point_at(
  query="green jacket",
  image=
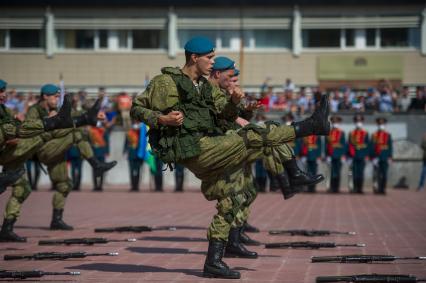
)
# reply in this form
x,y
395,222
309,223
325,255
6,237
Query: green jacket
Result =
x,y
162,95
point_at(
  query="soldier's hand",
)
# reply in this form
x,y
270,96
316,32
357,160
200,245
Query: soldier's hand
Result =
x,y
251,106
174,118
101,116
236,95
242,122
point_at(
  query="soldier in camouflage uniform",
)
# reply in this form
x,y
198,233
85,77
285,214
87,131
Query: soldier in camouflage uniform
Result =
x,y
19,139
52,153
179,108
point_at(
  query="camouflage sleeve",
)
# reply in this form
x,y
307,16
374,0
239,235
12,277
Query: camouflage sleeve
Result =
x,y
157,99
225,107
32,114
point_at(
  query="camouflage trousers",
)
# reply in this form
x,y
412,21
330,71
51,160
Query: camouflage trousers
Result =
x,y
52,154
232,184
227,153
26,129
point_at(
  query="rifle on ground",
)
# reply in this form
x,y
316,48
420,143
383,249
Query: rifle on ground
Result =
x,y
309,233
13,274
135,229
309,245
371,278
81,241
54,255
362,258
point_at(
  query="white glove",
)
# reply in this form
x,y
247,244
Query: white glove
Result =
x,y
349,161
375,161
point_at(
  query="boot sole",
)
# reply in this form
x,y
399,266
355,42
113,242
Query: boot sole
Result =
x,y
311,183
240,256
210,275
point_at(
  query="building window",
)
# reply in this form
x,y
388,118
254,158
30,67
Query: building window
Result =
x,y
122,36
147,39
370,35
21,38
103,39
394,37
350,37
272,38
76,39
2,38
321,38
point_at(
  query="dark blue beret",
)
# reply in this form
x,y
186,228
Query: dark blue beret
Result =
x,y
223,63
3,84
236,73
199,45
49,89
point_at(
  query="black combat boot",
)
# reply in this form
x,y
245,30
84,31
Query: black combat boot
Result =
x,y
7,234
100,167
214,267
317,124
90,117
287,190
250,228
57,222
63,119
298,177
245,239
235,248
8,178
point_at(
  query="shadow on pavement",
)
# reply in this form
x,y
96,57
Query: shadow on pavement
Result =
x,y
132,268
155,250
173,239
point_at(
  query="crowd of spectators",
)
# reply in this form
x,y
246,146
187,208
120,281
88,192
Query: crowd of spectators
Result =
x,y
383,98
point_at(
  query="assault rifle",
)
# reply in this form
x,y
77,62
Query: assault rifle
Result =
x,y
309,233
81,241
361,258
370,278
54,255
135,229
31,274
309,245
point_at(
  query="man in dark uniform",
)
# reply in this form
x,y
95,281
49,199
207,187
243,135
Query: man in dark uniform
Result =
x,y
358,152
311,147
381,154
131,147
335,147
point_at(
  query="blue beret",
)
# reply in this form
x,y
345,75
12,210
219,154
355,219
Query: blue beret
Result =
x,y
49,89
236,73
3,84
223,63
199,45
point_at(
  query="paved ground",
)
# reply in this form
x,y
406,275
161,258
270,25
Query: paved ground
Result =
x,y
394,224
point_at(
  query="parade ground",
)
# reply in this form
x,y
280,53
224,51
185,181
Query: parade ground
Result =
x,y
394,224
